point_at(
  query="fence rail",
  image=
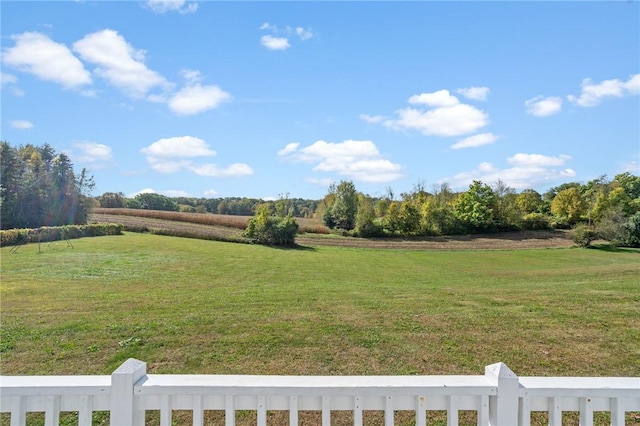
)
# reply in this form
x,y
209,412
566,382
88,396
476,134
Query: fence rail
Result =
x,y
498,397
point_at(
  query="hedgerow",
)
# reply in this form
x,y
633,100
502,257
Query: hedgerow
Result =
x,y
11,237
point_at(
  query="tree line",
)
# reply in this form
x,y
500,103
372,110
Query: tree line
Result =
x,y
240,206
609,209
39,187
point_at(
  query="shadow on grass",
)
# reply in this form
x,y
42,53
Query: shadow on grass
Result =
x,y
295,247
614,248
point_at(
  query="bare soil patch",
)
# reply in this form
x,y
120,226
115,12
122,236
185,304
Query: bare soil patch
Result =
x,y
497,241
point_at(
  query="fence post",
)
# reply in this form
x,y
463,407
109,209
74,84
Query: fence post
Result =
x,y
503,407
122,398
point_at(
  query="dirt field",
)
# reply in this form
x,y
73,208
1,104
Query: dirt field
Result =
x,y
500,241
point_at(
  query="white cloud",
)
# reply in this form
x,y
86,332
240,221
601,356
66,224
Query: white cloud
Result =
x,y
119,63
191,76
475,93
180,146
21,124
357,160
304,34
7,78
475,141
275,43
176,154
537,160
142,191
279,37
268,26
163,6
442,115
528,171
454,120
92,153
196,98
210,193
175,193
37,54
543,107
593,93
212,170
165,165
291,147
441,98
372,119
633,85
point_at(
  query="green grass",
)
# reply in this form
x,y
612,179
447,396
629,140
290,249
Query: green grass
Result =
x,y
192,306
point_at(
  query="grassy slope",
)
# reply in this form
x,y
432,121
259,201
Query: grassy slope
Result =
x,y
191,306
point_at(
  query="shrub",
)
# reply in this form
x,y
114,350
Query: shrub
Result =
x,y
56,233
583,235
266,228
631,236
369,229
535,222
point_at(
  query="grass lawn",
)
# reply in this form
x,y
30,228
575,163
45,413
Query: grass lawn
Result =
x,y
193,306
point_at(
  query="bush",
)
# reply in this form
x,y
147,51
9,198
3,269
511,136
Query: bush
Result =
x,y
265,228
583,235
560,223
535,222
369,229
631,236
56,233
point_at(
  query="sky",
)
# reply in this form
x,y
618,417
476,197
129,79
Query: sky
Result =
x,y
263,99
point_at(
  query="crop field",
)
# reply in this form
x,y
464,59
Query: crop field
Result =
x,y
194,306
313,233
137,217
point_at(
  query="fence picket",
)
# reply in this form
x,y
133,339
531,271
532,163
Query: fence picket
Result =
x,y
326,411
421,411
229,411
198,411
52,412
85,411
357,411
293,410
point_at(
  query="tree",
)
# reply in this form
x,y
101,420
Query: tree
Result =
x,y
266,227
529,201
630,184
475,207
112,200
505,213
153,201
366,224
569,205
342,213
592,191
39,188
409,218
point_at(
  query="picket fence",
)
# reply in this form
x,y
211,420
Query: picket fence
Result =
x,y
499,397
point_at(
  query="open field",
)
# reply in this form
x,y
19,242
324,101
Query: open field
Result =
x,y
208,307
195,306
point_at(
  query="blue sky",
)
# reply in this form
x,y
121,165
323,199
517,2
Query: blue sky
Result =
x,y
257,99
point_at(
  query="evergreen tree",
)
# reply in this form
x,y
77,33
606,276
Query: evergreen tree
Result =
x,y
39,188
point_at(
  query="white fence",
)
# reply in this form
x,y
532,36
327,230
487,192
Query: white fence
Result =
x,y
499,397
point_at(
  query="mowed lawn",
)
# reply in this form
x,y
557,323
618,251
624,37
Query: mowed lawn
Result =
x,y
192,306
